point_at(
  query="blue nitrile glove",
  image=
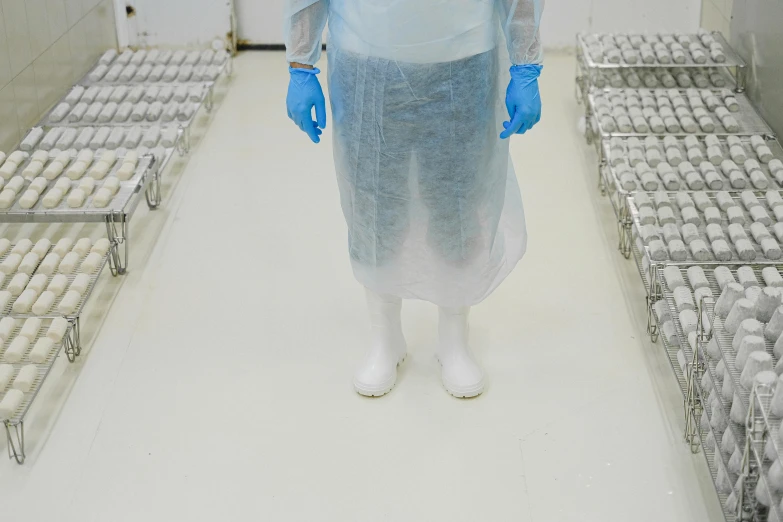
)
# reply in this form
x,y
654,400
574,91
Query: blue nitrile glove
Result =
x,y
304,93
522,100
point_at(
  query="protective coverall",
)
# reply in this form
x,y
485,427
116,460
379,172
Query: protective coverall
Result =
x,y
428,191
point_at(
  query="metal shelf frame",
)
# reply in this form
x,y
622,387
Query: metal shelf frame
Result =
x,y
585,65
15,426
748,117
619,197
115,217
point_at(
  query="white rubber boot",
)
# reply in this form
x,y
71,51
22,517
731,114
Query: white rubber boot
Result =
x,y
462,376
378,373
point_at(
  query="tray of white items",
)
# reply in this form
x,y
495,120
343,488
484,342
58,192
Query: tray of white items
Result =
x,y
158,66
744,326
27,353
730,367
681,342
747,323
66,186
701,228
45,280
767,397
140,138
661,78
128,105
675,351
728,484
642,112
691,164
722,442
642,265
657,50
694,163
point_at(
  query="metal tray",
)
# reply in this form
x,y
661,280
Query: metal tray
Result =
x,y
732,58
690,261
47,122
121,203
749,120
224,69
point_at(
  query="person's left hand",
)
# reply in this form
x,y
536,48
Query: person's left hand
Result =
x,y
523,100
304,96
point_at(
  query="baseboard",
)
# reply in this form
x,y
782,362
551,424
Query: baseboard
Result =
x,y
247,46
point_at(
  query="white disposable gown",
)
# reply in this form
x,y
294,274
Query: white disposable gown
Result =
x,y
417,89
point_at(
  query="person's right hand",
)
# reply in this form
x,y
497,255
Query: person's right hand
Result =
x,y
304,94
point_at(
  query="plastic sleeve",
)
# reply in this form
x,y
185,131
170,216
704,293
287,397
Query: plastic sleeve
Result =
x,y
520,20
303,28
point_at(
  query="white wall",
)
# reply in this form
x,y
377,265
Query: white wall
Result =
x,y
45,47
563,19
260,21
176,23
716,16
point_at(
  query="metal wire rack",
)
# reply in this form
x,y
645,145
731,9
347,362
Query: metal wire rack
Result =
x,y
764,428
671,354
587,67
712,457
14,426
224,70
70,345
115,217
146,123
724,339
126,191
77,311
743,490
619,194
732,58
762,395
751,123
749,120
690,260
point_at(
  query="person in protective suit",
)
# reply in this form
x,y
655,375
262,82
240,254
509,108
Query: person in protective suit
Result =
x,y
423,101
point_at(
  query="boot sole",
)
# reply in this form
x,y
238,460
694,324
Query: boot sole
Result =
x,y
462,393
377,391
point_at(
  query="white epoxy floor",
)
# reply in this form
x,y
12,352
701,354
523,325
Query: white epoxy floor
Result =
x,y
218,386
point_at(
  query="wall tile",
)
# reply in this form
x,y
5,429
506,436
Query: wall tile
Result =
x,y
89,5
5,62
90,26
710,16
27,112
62,65
38,24
45,47
73,12
17,35
107,24
58,21
78,41
46,88
9,128
725,7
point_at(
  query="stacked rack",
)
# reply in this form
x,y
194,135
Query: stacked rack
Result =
x,y
43,291
694,176
642,113
91,159
138,104
656,61
693,164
